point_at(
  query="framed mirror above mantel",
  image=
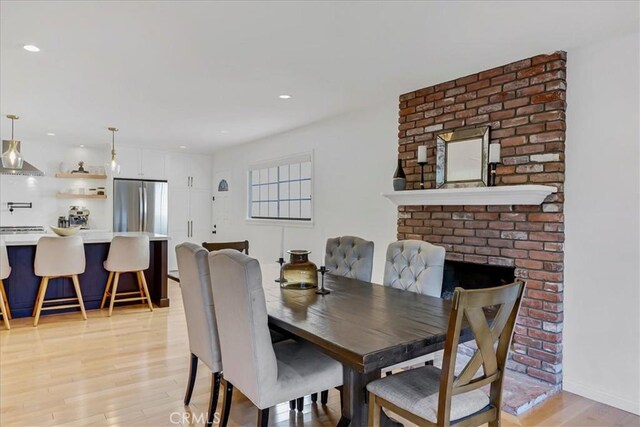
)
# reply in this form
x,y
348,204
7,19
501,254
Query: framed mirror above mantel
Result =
x,y
462,158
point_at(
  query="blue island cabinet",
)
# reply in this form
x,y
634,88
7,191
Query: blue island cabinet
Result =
x,y
22,285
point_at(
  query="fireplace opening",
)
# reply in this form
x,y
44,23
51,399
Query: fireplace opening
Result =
x,y
468,275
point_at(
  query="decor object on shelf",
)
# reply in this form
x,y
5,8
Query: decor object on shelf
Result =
x,y
399,178
529,194
115,167
494,159
12,158
81,169
299,272
422,160
65,231
461,158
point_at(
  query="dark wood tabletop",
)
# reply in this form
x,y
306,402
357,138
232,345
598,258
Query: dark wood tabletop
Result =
x,y
365,326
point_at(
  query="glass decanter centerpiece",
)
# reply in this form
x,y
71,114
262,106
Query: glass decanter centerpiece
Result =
x,y
299,272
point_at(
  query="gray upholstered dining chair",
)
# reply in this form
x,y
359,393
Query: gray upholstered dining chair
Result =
x,y
264,372
428,396
349,256
197,297
416,266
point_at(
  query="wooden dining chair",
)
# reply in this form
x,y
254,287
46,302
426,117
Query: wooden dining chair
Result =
x,y
242,246
428,396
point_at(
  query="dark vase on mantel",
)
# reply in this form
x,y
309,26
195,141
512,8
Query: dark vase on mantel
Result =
x,y
399,178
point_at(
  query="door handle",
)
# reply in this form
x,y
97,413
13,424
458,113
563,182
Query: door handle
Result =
x,y
141,207
145,217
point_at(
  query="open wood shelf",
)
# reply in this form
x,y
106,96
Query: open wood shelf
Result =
x,y
80,196
502,195
80,176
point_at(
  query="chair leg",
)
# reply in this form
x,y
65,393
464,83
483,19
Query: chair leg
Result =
x,y
193,370
263,417
35,305
43,290
374,411
324,397
226,405
6,301
3,309
146,289
114,289
76,284
106,289
215,391
292,405
300,403
314,397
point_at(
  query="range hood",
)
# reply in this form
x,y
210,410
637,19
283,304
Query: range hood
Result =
x,y
27,168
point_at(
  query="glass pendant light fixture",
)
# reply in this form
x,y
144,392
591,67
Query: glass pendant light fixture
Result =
x,y
12,158
115,166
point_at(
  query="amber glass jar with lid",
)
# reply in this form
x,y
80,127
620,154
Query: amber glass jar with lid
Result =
x,y
299,272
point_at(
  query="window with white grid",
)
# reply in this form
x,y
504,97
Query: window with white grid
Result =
x,y
281,190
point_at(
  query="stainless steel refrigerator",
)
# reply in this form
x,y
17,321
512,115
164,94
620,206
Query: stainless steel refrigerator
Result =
x,y
140,205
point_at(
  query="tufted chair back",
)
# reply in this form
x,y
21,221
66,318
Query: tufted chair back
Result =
x,y
349,256
197,297
416,266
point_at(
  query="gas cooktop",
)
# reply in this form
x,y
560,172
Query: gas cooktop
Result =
x,y
22,229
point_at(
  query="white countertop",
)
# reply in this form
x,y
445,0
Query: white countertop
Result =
x,y
89,236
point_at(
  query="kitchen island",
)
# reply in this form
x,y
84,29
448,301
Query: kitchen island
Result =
x,y
22,285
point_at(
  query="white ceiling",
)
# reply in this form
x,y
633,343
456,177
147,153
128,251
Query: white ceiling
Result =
x,y
173,73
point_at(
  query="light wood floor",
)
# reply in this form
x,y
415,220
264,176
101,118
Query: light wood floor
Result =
x,y
131,370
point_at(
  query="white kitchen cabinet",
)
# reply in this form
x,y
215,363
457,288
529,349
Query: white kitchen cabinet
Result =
x,y
129,161
141,163
152,164
190,200
200,172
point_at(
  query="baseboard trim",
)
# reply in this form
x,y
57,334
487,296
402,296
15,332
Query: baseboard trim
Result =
x,y
601,396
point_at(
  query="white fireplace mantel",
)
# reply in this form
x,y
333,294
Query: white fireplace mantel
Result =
x,y
502,195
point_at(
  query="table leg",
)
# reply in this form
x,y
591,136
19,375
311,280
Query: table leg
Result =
x,y
354,402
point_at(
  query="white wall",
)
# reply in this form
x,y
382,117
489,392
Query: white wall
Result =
x,y
41,190
602,323
354,160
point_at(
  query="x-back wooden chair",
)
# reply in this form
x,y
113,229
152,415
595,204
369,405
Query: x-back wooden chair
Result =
x,y
242,246
435,400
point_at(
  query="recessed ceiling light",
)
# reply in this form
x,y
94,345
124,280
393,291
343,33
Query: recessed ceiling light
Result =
x,y
51,134
31,48
183,146
224,132
284,96
81,145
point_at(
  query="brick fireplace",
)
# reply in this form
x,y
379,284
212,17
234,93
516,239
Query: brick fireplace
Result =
x,y
524,104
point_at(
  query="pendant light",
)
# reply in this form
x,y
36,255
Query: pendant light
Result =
x,y
115,167
12,159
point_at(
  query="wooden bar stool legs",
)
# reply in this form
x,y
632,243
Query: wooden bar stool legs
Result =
x,y
40,300
4,306
111,291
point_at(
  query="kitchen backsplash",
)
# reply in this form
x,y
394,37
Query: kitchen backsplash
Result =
x,y
42,190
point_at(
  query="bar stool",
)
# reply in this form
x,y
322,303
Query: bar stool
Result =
x,y
5,271
58,257
127,254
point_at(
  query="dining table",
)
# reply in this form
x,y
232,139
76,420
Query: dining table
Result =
x,y
364,326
